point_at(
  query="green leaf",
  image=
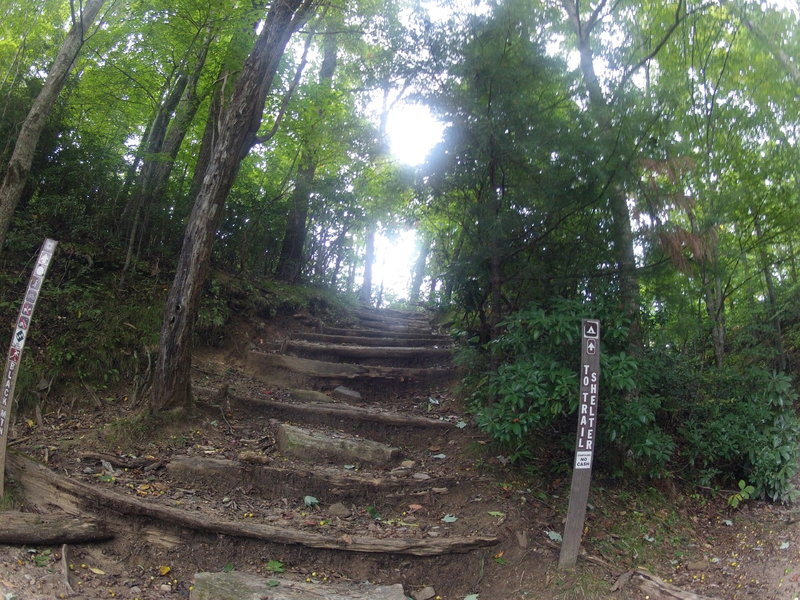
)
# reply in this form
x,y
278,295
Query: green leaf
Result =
x,y
555,536
496,513
310,501
449,518
274,566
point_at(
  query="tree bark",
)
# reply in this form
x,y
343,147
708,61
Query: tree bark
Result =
x,y
290,263
621,222
169,133
772,299
237,135
22,157
365,295
32,529
419,269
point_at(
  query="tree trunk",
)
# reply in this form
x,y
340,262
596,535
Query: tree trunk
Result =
x,y
621,222
20,164
290,263
237,135
241,42
365,295
419,269
772,298
162,150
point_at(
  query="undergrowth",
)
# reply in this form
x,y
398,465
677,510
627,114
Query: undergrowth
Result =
x,y
661,414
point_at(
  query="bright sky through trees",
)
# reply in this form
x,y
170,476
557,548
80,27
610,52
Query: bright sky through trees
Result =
x,y
394,261
413,132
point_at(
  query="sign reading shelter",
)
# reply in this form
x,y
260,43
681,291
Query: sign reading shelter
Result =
x,y
585,443
17,344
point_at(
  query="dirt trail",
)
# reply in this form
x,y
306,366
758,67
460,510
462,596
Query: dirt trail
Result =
x,y
335,456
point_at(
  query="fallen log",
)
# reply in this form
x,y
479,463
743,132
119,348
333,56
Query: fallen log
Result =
x,y
43,487
31,529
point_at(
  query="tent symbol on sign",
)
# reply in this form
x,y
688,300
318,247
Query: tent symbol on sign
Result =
x,y
591,329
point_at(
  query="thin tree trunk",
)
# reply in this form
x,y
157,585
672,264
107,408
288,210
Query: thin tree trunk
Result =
x,y
21,159
237,135
365,295
630,297
164,149
419,269
772,299
290,263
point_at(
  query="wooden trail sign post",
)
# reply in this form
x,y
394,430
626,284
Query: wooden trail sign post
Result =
x,y
585,444
15,349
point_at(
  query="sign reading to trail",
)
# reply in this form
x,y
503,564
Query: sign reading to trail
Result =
x,y
17,344
585,443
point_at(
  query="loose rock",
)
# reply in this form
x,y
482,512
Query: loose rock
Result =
x,y
425,593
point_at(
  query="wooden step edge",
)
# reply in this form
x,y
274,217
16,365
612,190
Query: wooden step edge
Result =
x,y
44,487
303,477
386,342
256,361
357,351
344,411
368,332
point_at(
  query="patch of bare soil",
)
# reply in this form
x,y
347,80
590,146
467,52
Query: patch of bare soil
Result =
x,y
222,464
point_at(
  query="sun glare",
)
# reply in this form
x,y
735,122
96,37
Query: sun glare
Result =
x,y
413,131
394,263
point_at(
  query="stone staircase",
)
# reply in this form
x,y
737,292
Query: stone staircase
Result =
x,y
344,462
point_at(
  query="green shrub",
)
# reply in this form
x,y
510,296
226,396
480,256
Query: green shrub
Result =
x,y
660,412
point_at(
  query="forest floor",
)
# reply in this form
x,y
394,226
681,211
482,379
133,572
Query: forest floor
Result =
x,y
693,541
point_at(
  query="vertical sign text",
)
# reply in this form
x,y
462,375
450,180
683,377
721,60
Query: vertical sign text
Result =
x,y
586,442
17,344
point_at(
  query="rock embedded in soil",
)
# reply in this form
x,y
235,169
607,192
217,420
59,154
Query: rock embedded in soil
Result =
x,y
339,510
243,586
313,445
308,396
343,393
425,593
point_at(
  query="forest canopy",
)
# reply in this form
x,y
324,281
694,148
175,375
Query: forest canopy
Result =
x,y
634,162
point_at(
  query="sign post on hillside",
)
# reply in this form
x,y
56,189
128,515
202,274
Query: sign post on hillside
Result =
x,y
585,444
17,344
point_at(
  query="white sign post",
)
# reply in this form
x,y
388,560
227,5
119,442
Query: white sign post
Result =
x,y
585,444
15,349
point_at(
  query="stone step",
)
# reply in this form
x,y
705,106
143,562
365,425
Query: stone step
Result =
x,y
388,356
373,382
311,446
386,342
372,332
243,586
330,484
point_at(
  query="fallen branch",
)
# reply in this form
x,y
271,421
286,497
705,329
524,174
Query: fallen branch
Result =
x,y
30,529
658,589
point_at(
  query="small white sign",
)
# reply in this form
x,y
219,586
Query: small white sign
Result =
x,y
583,460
